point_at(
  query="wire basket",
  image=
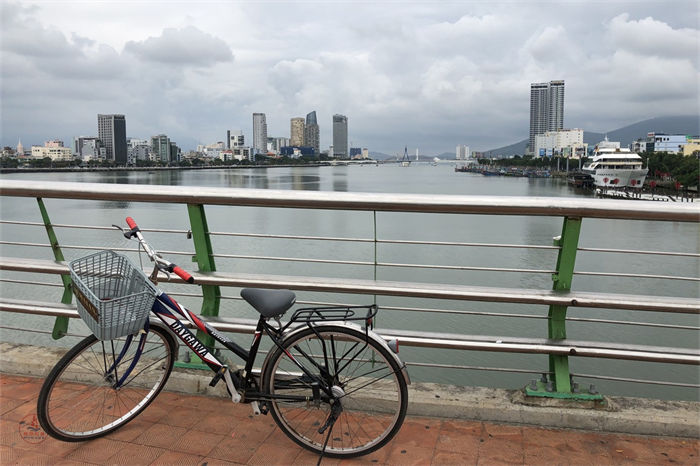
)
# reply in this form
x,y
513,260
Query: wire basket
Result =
x,y
114,297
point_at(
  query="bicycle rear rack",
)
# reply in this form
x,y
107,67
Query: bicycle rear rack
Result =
x,y
311,315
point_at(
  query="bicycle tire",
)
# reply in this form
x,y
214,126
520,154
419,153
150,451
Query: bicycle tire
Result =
x,y
374,391
77,400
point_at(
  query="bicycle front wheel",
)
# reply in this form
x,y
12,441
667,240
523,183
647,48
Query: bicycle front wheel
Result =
x,y
366,381
82,398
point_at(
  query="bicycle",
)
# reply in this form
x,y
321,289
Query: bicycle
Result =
x,y
330,383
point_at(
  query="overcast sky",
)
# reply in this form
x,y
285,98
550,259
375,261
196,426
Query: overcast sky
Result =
x,y
425,74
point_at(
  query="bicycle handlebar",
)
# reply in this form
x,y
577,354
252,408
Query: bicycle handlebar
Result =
x,y
161,263
183,274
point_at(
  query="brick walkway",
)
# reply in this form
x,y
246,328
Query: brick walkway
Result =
x,y
228,434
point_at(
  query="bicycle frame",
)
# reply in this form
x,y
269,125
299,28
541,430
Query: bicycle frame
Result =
x,y
168,310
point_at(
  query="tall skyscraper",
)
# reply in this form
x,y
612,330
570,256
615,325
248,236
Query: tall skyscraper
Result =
x,y
259,134
340,136
546,109
160,148
312,133
296,132
111,130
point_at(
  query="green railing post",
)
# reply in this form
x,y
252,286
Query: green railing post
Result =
x,y
211,295
60,326
561,386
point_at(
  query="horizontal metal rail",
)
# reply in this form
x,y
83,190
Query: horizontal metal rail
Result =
x,y
380,202
88,248
437,340
638,275
413,309
418,290
432,365
633,251
362,263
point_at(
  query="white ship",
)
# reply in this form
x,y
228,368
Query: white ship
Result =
x,y
615,167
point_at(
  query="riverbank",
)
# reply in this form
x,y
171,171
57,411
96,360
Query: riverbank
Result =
x,y
152,169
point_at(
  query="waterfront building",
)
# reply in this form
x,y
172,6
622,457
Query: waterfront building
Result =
x,y
692,146
54,153
160,148
296,132
639,146
566,142
138,152
274,144
462,152
243,153
137,149
365,153
669,143
296,152
259,133
111,130
89,148
53,143
546,109
340,136
175,152
312,133
235,138
355,152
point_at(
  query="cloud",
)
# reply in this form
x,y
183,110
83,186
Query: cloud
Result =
x,y
654,38
186,46
423,75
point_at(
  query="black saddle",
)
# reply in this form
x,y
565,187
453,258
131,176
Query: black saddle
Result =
x,y
269,303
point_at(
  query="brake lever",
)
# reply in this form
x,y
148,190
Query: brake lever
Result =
x,y
128,234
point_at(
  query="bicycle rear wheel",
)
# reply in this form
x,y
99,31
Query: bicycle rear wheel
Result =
x,y
79,401
365,378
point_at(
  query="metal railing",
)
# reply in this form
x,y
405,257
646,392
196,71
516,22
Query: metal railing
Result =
x,y
556,345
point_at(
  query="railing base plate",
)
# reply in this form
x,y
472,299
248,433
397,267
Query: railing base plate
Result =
x,y
542,392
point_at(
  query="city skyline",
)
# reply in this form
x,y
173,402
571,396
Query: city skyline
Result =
x,y
427,75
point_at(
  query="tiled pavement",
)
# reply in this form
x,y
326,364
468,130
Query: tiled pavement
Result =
x,y
225,433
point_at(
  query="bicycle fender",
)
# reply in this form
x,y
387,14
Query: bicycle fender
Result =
x,y
370,334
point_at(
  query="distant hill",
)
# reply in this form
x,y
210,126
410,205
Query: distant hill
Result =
x,y
379,155
689,124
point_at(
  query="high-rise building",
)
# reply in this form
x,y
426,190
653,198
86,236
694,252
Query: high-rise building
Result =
x,y
259,134
340,136
546,109
160,148
111,130
296,132
312,133
556,106
462,152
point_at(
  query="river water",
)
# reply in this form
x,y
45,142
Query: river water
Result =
x,y
416,179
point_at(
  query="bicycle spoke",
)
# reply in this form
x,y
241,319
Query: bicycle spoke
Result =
x,y
79,399
364,378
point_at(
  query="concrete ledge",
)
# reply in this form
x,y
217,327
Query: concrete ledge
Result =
x,y
638,416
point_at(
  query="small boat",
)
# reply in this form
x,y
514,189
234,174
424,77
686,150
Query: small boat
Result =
x,y
580,180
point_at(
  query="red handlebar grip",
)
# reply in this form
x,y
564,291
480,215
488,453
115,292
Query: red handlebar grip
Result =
x,y
131,223
183,274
